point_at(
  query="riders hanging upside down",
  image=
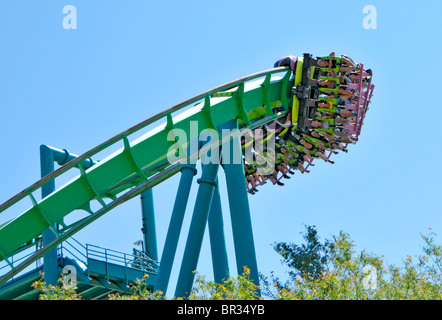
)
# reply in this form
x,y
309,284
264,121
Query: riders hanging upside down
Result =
x,y
325,106
340,87
333,64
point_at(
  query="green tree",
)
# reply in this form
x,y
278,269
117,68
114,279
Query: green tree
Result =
x,y
307,260
328,270
139,291
240,288
347,274
61,291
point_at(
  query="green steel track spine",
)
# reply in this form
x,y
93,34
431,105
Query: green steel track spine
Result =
x,y
138,162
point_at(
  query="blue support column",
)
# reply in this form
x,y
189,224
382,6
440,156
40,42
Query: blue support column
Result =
x,y
49,155
207,184
50,259
239,205
176,221
149,229
217,240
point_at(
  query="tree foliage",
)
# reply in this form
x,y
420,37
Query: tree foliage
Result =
x,y
334,270
328,270
240,288
308,260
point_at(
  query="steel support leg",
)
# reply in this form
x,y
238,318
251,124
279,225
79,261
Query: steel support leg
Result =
x,y
207,184
239,206
49,155
149,230
50,259
217,240
176,221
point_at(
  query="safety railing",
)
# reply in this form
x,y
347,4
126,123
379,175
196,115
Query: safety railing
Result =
x,y
74,249
364,107
139,260
16,259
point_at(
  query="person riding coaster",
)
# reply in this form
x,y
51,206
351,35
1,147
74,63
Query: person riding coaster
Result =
x,y
265,166
324,131
287,61
332,110
294,157
323,145
331,143
250,179
315,151
281,162
333,64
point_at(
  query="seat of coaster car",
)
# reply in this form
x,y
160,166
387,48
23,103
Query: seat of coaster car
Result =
x,y
307,91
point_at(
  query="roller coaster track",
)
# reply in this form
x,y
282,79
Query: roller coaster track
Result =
x,y
142,163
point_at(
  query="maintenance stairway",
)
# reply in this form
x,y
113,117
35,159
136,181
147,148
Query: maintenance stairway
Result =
x,y
97,272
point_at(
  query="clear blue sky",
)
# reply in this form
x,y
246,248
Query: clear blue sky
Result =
x,y
128,60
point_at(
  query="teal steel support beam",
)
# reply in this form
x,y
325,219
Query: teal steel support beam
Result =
x,y
176,221
217,240
148,221
50,259
207,185
48,156
239,205
64,156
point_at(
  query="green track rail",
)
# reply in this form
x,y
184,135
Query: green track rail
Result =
x,y
141,163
